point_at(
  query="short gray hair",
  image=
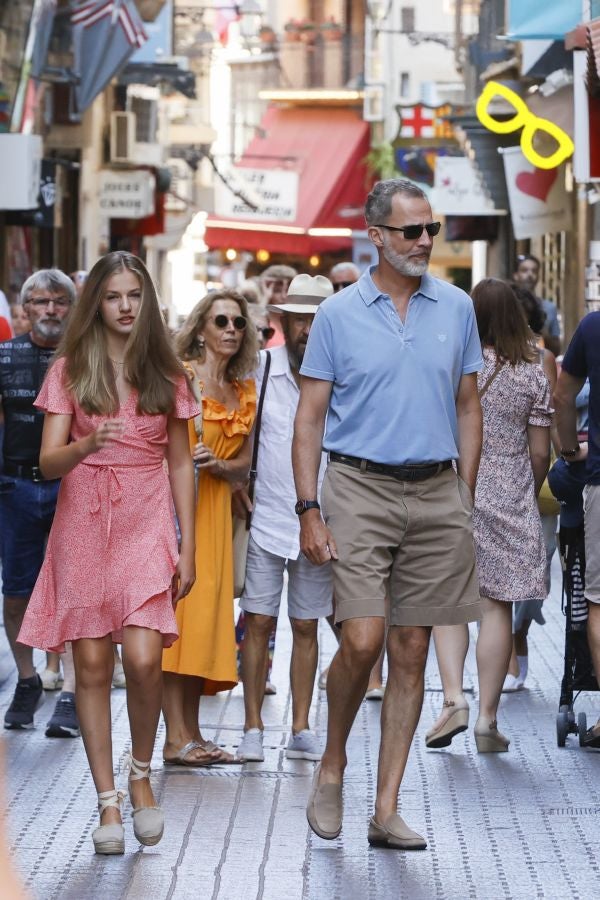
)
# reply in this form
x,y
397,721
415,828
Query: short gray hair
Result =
x,y
378,207
52,280
341,267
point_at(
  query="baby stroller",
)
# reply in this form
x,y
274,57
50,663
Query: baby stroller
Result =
x,y
567,481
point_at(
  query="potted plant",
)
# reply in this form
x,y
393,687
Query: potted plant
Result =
x,y
267,35
308,32
331,30
292,30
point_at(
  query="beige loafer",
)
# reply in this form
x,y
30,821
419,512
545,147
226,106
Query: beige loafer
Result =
x,y
395,834
325,808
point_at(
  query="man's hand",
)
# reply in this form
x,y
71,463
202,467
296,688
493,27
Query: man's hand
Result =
x,y
581,454
241,504
316,541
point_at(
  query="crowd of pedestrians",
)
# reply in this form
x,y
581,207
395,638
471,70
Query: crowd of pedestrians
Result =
x,y
379,439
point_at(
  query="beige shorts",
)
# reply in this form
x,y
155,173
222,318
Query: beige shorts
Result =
x,y
411,538
591,511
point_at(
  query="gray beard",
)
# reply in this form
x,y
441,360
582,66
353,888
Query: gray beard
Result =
x,y
49,331
403,265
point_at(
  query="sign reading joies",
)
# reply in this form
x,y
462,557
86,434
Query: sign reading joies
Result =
x,y
274,191
127,195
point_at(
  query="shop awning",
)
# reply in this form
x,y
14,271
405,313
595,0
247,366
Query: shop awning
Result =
x,y
306,175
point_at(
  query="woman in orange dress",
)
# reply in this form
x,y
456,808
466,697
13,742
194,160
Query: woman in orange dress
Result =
x,y
220,350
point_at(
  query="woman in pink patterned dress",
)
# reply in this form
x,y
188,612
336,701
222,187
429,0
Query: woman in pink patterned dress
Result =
x,y
509,542
117,403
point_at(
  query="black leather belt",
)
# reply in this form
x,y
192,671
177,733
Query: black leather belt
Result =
x,y
31,473
401,473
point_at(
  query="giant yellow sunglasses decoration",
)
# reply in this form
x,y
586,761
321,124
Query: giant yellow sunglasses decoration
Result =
x,y
525,119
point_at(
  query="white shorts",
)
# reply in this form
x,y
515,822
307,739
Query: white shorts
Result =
x,y
310,588
591,511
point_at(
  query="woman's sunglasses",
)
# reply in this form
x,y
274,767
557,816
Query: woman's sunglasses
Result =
x,y
414,232
238,322
340,285
267,333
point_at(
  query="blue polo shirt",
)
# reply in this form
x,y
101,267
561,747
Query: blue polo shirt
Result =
x,y
582,360
394,390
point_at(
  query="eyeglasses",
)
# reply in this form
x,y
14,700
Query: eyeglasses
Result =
x,y
414,232
238,322
44,302
267,333
339,285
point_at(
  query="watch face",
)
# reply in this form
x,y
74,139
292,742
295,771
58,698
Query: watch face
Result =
x,y
299,507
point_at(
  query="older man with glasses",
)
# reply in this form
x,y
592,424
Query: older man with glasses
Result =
x,y
343,275
389,374
27,500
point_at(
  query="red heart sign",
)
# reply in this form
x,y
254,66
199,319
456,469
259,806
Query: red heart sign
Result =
x,y
537,183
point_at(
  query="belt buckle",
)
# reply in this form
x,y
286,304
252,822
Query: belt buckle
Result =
x,y
36,474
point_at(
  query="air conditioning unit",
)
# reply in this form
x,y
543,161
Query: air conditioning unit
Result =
x,y
134,136
373,103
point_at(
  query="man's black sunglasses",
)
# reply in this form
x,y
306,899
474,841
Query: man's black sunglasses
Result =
x,y
339,285
413,232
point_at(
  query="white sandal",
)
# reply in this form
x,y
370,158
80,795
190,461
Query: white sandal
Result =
x,y
148,821
109,839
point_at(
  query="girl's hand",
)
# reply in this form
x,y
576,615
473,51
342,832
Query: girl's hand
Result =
x,y
206,459
184,577
107,433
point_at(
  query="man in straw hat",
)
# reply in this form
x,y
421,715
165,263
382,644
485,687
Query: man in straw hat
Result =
x,y
390,369
274,543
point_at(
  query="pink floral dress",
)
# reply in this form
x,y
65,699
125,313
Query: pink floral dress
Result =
x,y
112,549
509,542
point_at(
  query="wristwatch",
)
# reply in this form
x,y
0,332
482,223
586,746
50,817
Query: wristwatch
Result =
x,y
302,505
569,454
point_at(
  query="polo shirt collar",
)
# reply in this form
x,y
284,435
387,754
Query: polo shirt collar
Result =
x,y
369,291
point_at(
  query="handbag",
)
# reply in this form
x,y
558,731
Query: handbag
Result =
x,y
241,527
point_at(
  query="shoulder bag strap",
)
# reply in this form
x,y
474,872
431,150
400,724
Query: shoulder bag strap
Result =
x,y
197,392
488,383
257,424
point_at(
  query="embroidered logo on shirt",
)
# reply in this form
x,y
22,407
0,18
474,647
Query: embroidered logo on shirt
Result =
x,y
441,337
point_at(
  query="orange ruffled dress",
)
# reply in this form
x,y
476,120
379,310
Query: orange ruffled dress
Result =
x,y
206,647
112,548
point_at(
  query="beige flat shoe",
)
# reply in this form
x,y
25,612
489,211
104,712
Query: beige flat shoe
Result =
x,y
148,821
325,808
109,840
457,721
395,834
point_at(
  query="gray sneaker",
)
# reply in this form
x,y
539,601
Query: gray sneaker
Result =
x,y
251,746
303,746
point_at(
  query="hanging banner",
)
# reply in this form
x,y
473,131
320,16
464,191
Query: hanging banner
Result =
x,y
542,18
538,199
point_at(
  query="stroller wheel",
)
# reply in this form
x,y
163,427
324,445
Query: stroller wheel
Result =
x,y
562,728
582,728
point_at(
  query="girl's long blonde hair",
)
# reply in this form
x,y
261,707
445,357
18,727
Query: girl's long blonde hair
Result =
x,y
151,365
189,346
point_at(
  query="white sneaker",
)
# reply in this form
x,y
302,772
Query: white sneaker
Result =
x,y
251,746
512,683
51,681
303,746
118,679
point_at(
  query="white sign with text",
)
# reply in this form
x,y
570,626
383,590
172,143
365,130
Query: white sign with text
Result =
x,y
274,192
458,190
127,194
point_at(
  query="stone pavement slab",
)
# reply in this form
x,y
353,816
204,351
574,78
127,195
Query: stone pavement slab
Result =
x,y
524,824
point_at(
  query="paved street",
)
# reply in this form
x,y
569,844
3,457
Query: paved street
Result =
x,y
518,825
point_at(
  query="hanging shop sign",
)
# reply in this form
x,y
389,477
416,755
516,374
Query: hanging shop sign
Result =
x,y
530,124
273,192
537,197
459,189
127,195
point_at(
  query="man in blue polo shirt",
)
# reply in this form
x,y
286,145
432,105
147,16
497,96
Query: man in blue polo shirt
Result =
x,y
581,361
391,367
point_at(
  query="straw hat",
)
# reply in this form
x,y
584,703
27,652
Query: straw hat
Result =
x,y
304,295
